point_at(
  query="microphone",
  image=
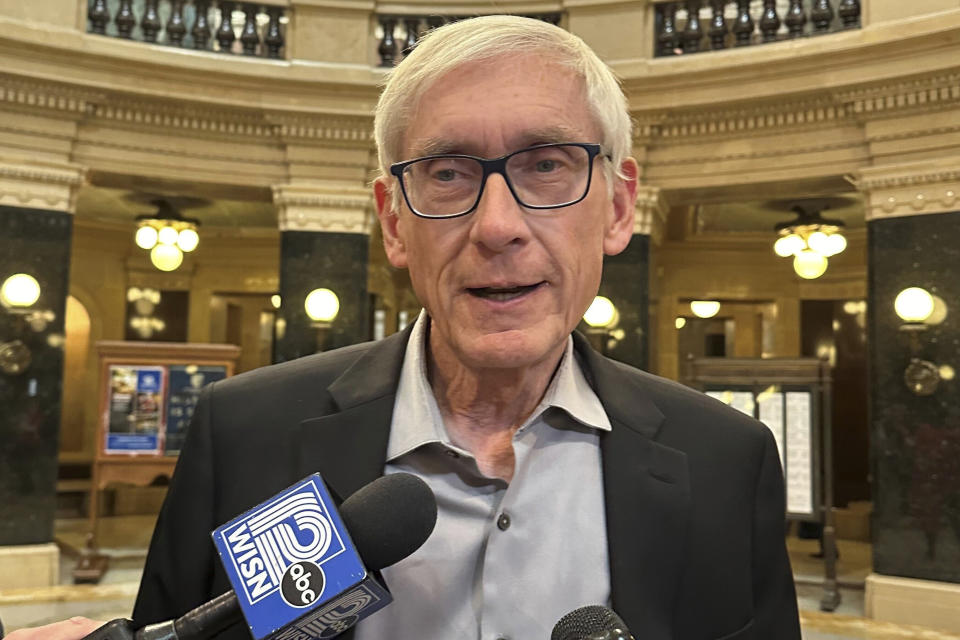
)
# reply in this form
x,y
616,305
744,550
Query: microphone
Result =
x,y
299,569
592,622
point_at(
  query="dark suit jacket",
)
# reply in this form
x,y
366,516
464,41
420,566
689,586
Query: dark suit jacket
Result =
x,y
694,492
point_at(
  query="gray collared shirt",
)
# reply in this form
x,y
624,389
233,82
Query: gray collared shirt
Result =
x,y
505,560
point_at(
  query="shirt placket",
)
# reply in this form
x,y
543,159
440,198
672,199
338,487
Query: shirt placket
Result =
x,y
503,549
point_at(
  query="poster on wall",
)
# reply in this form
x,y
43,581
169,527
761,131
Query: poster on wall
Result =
x,y
135,409
185,383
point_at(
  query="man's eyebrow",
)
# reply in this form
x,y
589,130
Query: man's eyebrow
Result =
x,y
547,135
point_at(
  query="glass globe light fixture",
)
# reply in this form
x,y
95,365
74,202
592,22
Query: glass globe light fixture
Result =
x,y
788,245
820,242
20,290
322,305
146,237
275,300
914,304
809,264
166,257
680,322
705,308
168,235
601,313
188,239
836,243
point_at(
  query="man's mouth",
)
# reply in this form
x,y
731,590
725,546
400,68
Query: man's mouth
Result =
x,y
502,294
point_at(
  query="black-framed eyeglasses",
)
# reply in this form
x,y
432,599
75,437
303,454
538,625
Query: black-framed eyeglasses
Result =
x,y
545,176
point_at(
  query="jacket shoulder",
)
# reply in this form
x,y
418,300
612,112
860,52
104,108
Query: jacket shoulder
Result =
x,y
685,408
310,374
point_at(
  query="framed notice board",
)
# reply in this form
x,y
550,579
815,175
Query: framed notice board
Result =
x,y
792,397
148,392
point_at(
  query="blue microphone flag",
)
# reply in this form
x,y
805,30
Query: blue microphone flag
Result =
x,y
296,573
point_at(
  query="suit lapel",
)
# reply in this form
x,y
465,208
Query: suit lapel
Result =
x,y
647,493
348,445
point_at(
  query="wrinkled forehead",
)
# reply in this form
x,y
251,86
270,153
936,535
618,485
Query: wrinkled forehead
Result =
x,y
540,98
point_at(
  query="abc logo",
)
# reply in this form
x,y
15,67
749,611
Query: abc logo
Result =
x,y
302,584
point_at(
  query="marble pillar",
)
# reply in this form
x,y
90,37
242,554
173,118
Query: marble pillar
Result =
x,y
626,282
325,238
36,205
913,215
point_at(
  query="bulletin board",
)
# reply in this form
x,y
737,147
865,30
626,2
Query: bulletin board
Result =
x,y
793,398
148,392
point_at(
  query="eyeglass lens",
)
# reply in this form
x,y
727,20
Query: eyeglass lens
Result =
x,y
540,177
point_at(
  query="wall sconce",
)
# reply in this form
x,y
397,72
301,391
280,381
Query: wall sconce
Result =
x,y
601,314
916,307
322,306
680,322
18,294
705,308
167,235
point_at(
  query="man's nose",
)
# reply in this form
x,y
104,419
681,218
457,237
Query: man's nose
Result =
x,y
499,221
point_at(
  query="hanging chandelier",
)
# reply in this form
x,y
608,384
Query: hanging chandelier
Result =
x,y
167,235
809,239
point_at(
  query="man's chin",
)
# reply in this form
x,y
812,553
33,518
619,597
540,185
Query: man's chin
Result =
x,y
509,350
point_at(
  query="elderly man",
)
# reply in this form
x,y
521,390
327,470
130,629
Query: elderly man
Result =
x,y
562,478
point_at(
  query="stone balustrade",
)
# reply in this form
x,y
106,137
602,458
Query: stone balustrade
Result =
x,y
219,26
710,25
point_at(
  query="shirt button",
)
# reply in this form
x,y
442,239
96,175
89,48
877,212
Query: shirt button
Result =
x,y
503,523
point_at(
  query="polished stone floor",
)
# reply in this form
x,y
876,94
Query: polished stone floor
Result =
x,y
124,539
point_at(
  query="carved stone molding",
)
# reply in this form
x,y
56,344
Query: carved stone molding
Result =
x,y
651,213
330,129
922,93
321,207
917,188
745,121
40,185
33,94
170,115
793,113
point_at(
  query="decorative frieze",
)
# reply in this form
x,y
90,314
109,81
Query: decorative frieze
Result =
x,y
792,113
40,185
925,92
917,188
322,207
747,121
43,95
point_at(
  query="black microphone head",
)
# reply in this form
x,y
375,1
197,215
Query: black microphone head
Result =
x,y
582,623
390,518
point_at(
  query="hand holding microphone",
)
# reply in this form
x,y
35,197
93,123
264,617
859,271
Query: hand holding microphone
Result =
x,y
294,572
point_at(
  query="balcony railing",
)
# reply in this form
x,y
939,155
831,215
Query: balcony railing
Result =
x,y
398,35
207,25
708,25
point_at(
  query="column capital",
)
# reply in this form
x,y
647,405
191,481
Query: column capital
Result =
x,y
322,206
910,189
43,184
651,212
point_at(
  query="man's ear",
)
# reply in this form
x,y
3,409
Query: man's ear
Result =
x,y
393,243
619,229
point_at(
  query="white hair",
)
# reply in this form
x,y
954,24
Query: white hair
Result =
x,y
450,46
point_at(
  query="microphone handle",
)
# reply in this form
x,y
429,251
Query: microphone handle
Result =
x,y
207,620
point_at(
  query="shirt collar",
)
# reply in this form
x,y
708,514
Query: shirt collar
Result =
x,y
416,416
